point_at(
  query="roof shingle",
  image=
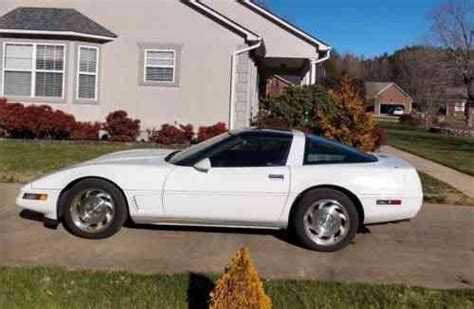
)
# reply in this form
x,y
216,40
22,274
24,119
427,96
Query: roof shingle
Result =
x,y
52,19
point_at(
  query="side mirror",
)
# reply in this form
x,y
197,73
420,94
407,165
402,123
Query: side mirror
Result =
x,y
203,166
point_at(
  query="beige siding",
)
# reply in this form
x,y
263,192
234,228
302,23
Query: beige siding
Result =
x,y
278,42
203,94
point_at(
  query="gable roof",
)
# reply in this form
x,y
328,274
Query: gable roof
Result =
x,y
283,23
52,21
229,23
374,89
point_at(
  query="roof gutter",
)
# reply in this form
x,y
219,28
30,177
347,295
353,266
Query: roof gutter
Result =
x,y
57,33
326,57
232,78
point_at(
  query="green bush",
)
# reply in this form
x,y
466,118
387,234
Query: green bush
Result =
x,y
297,108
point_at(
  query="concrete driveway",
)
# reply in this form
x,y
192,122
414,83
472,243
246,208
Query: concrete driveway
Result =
x,y
436,249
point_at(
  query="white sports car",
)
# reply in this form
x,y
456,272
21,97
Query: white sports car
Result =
x,y
319,190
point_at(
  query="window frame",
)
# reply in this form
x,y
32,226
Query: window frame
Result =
x,y
79,73
34,70
145,65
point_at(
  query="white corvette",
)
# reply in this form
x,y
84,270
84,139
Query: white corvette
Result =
x,y
319,190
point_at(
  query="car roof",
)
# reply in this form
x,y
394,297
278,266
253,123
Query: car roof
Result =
x,y
264,132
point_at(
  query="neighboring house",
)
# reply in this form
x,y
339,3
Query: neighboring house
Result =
x,y
277,84
188,61
383,98
456,99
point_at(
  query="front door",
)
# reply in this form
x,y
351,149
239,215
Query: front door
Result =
x,y
248,182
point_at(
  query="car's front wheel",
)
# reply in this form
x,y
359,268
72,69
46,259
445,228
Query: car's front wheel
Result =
x,y
94,208
325,220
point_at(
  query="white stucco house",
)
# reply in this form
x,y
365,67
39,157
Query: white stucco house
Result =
x,y
162,61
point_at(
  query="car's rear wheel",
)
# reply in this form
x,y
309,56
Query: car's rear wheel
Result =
x,y
325,220
94,208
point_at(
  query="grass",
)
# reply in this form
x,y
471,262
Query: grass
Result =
x,y
438,192
58,288
22,161
454,152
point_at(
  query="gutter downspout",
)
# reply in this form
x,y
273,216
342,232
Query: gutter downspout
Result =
x,y
315,64
232,78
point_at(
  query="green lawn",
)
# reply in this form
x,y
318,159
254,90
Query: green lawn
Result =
x,y
21,161
438,192
454,152
57,288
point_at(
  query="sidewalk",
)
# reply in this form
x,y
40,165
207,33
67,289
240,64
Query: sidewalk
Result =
x,y
458,180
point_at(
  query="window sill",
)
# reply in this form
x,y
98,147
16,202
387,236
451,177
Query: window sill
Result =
x,y
159,84
21,99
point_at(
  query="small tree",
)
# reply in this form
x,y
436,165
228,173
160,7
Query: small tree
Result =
x,y
239,286
349,124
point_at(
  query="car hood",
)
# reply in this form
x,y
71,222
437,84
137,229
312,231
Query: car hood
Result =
x,y
117,167
135,156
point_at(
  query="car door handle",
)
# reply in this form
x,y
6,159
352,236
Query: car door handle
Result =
x,y
276,176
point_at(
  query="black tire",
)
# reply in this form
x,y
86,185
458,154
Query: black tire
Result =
x,y
120,204
297,225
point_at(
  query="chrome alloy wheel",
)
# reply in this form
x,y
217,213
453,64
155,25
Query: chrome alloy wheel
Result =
x,y
92,210
326,222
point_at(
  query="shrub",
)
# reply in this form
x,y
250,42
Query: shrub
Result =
x,y
379,135
298,107
349,124
205,133
121,128
239,286
86,131
411,120
33,121
338,114
172,134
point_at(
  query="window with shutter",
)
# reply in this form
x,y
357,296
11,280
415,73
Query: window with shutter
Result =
x,y
33,70
87,79
160,65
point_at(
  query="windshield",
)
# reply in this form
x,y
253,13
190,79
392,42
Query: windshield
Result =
x,y
189,153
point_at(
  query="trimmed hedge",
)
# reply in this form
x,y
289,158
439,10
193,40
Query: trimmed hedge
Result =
x,y
205,133
42,122
174,134
121,128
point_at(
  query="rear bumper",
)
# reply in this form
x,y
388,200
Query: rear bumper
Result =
x,y
48,207
387,213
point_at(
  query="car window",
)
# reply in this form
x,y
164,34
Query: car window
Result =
x,y
190,155
253,151
322,151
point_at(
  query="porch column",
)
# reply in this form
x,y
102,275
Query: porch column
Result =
x,y
312,70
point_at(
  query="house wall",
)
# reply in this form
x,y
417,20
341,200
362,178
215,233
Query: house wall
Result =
x,y
202,97
279,43
392,96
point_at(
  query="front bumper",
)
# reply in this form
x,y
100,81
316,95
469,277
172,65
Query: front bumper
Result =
x,y
47,207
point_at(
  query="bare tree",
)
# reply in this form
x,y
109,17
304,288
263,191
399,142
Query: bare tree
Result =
x,y
453,29
425,74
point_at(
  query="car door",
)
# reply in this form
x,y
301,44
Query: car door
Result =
x,y
248,181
